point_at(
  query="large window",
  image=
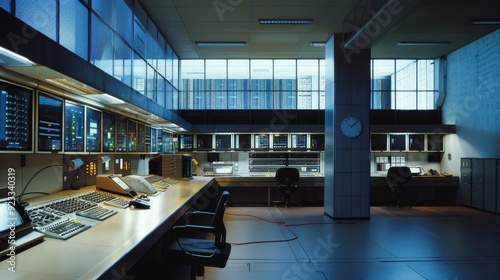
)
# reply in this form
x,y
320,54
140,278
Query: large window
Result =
x,y
117,36
252,84
402,84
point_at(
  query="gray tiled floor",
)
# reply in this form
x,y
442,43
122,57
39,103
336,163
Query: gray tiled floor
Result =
x,y
445,243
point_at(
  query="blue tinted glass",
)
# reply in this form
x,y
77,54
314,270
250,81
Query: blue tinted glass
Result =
x,y
39,14
139,74
123,62
124,20
101,48
106,10
5,4
73,27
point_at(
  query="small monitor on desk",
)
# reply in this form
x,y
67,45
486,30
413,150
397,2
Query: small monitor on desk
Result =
x,y
15,223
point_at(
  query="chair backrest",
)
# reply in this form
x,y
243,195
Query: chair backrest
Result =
x,y
218,221
398,176
287,176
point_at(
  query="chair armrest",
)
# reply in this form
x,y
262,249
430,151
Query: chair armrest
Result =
x,y
200,213
193,228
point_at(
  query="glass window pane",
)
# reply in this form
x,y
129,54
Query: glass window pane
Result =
x,y
106,10
40,14
405,100
139,74
285,84
175,71
161,91
101,48
406,74
238,83
123,62
169,63
261,74
124,21
307,74
192,75
5,4
425,74
151,44
162,56
151,83
322,74
73,27
140,34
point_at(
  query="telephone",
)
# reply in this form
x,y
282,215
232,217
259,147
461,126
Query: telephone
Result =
x,y
139,184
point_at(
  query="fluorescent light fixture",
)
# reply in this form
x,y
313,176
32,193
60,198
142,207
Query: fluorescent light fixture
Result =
x,y
220,44
485,21
416,44
73,86
8,57
286,21
318,44
106,99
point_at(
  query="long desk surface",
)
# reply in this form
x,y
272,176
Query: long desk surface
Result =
x,y
110,247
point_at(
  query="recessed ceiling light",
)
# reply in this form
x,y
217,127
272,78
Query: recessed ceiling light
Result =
x,y
220,44
406,44
485,21
318,44
286,21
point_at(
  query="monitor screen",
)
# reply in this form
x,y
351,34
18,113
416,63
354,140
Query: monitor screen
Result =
x,y
132,136
223,141
12,213
15,118
50,111
74,127
93,135
186,142
108,132
141,137
121,134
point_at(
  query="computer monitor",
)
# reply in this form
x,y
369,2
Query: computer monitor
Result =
x,y
16,117
14,218
50,110
74,127
93,129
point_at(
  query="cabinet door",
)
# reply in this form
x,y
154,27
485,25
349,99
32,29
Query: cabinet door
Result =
x,y
490,184
478,183
466,180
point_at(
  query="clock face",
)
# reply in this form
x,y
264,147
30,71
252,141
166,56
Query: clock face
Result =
x,y
351,127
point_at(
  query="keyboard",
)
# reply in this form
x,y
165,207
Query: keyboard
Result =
x,y
97,196
117,202
97,213
63,229
40,217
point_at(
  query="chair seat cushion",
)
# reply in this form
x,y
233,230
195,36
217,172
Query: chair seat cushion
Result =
x,y
198,251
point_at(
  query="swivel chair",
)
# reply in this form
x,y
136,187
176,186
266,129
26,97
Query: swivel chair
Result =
x,y
201,252
398,178
286,178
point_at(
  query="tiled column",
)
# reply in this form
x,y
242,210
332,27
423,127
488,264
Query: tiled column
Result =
x,y
347,161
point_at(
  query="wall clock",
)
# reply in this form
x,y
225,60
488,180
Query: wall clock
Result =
x,y
351,127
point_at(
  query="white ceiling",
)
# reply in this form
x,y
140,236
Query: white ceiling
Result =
x,y
185,21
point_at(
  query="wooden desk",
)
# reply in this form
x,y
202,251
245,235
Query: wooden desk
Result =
x,y
109,248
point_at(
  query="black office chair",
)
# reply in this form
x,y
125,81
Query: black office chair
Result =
x,y
287,178
398,178
201,252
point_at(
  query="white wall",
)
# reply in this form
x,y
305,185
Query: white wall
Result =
x,y
472,102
